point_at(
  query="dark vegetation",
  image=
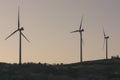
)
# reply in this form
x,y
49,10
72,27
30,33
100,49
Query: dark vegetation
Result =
x,y
89,70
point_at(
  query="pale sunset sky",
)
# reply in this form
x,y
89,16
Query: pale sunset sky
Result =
x,y
48,24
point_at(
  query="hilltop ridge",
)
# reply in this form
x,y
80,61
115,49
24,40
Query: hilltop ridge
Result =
x,y
88,70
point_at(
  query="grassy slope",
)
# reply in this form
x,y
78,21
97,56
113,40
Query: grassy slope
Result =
x,y
91,70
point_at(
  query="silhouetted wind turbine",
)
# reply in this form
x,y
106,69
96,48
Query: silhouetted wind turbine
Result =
x,y
80,31
20,29
106,39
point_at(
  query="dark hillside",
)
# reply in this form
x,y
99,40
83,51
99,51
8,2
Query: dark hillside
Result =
x,y
89,70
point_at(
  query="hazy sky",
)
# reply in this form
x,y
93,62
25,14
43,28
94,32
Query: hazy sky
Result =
x,y
48,24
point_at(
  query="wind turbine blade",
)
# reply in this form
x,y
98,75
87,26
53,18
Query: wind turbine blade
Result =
x,y
104,33
81,23
18,18
74,31
11,34
104,38
24,37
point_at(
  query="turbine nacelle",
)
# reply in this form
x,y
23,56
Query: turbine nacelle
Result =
x,y
21,29
82,30
106,37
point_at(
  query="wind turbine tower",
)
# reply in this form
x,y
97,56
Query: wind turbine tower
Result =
x,y
20,29
80,30
106,40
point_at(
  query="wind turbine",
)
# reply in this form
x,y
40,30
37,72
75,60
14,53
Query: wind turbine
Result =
x,y
80,30
20,29
106,40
